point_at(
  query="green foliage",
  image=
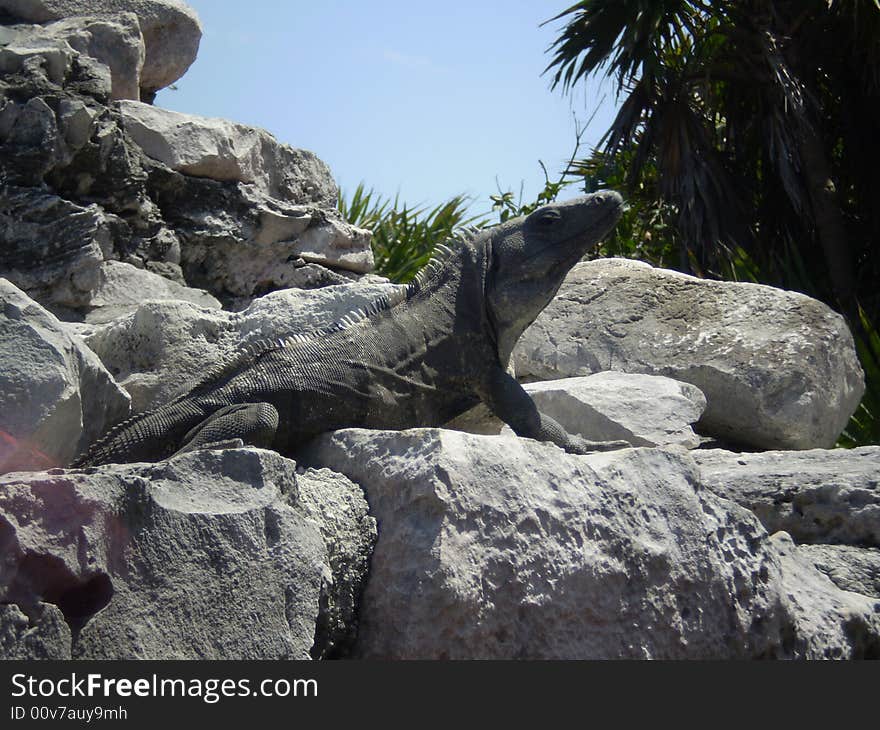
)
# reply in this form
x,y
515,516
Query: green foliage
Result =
x,y
864,426
746,144
404,237
507,208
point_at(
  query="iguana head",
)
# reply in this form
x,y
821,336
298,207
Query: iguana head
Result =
x,y
530,256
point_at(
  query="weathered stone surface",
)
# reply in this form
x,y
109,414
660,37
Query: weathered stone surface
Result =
x,y
338,507
211,555
41,634
827,623
816,496
249,211
778,369
645,410
55,396
227,151
850,568
51,248
171,30
154,352
123,288
498,547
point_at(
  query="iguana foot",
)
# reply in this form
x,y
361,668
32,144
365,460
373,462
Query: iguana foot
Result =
x,y
578,445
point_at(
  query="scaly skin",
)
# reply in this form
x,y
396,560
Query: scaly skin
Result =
x,y
419,359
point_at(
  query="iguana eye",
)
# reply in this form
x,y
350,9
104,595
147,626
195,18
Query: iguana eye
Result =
x,y
548,218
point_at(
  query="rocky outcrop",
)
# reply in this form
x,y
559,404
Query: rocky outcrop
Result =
x,y
210,555
114,42
171,31
498,547
778,369
645,410
222,150
55,396
205,203
816,496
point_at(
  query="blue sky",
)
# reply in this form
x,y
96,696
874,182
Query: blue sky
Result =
x,y
427,99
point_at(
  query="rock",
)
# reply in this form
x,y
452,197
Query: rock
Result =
x,y
249,211
495,547
116,42
207,556
55,396
123,288
43,634
850,568
338,507
778,369
816,496
828,623
171,30
227,151
52,249
645,410
154,352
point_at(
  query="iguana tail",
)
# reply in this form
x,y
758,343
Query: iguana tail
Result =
x,y
147,436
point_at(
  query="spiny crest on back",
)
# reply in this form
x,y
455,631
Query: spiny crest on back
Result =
x,y
246,354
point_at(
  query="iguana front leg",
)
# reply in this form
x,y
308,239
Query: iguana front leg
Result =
x,y
508,400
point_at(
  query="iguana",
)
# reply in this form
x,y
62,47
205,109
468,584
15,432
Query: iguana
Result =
x,y
420,358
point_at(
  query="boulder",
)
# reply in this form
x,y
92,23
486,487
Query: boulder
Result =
x,y
211,555
645,410
249,210
55,395
827,623
816,496
115,42
123,288
228,151
494,547
171,30
156,351
850,568
778,369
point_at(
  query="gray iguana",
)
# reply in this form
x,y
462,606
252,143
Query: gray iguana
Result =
x,y
420,358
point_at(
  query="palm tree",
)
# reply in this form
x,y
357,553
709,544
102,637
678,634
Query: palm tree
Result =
x,y
758,123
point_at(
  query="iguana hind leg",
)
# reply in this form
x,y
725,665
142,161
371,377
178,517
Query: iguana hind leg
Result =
x,y
253,424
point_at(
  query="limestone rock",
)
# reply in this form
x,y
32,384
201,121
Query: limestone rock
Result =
x,y
154,352
645,410
828,623
52,248
171,30
778,369
816,496
41,634
338,507
850,568
497,547
210,555
123,288
222,150
115,42
55,396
